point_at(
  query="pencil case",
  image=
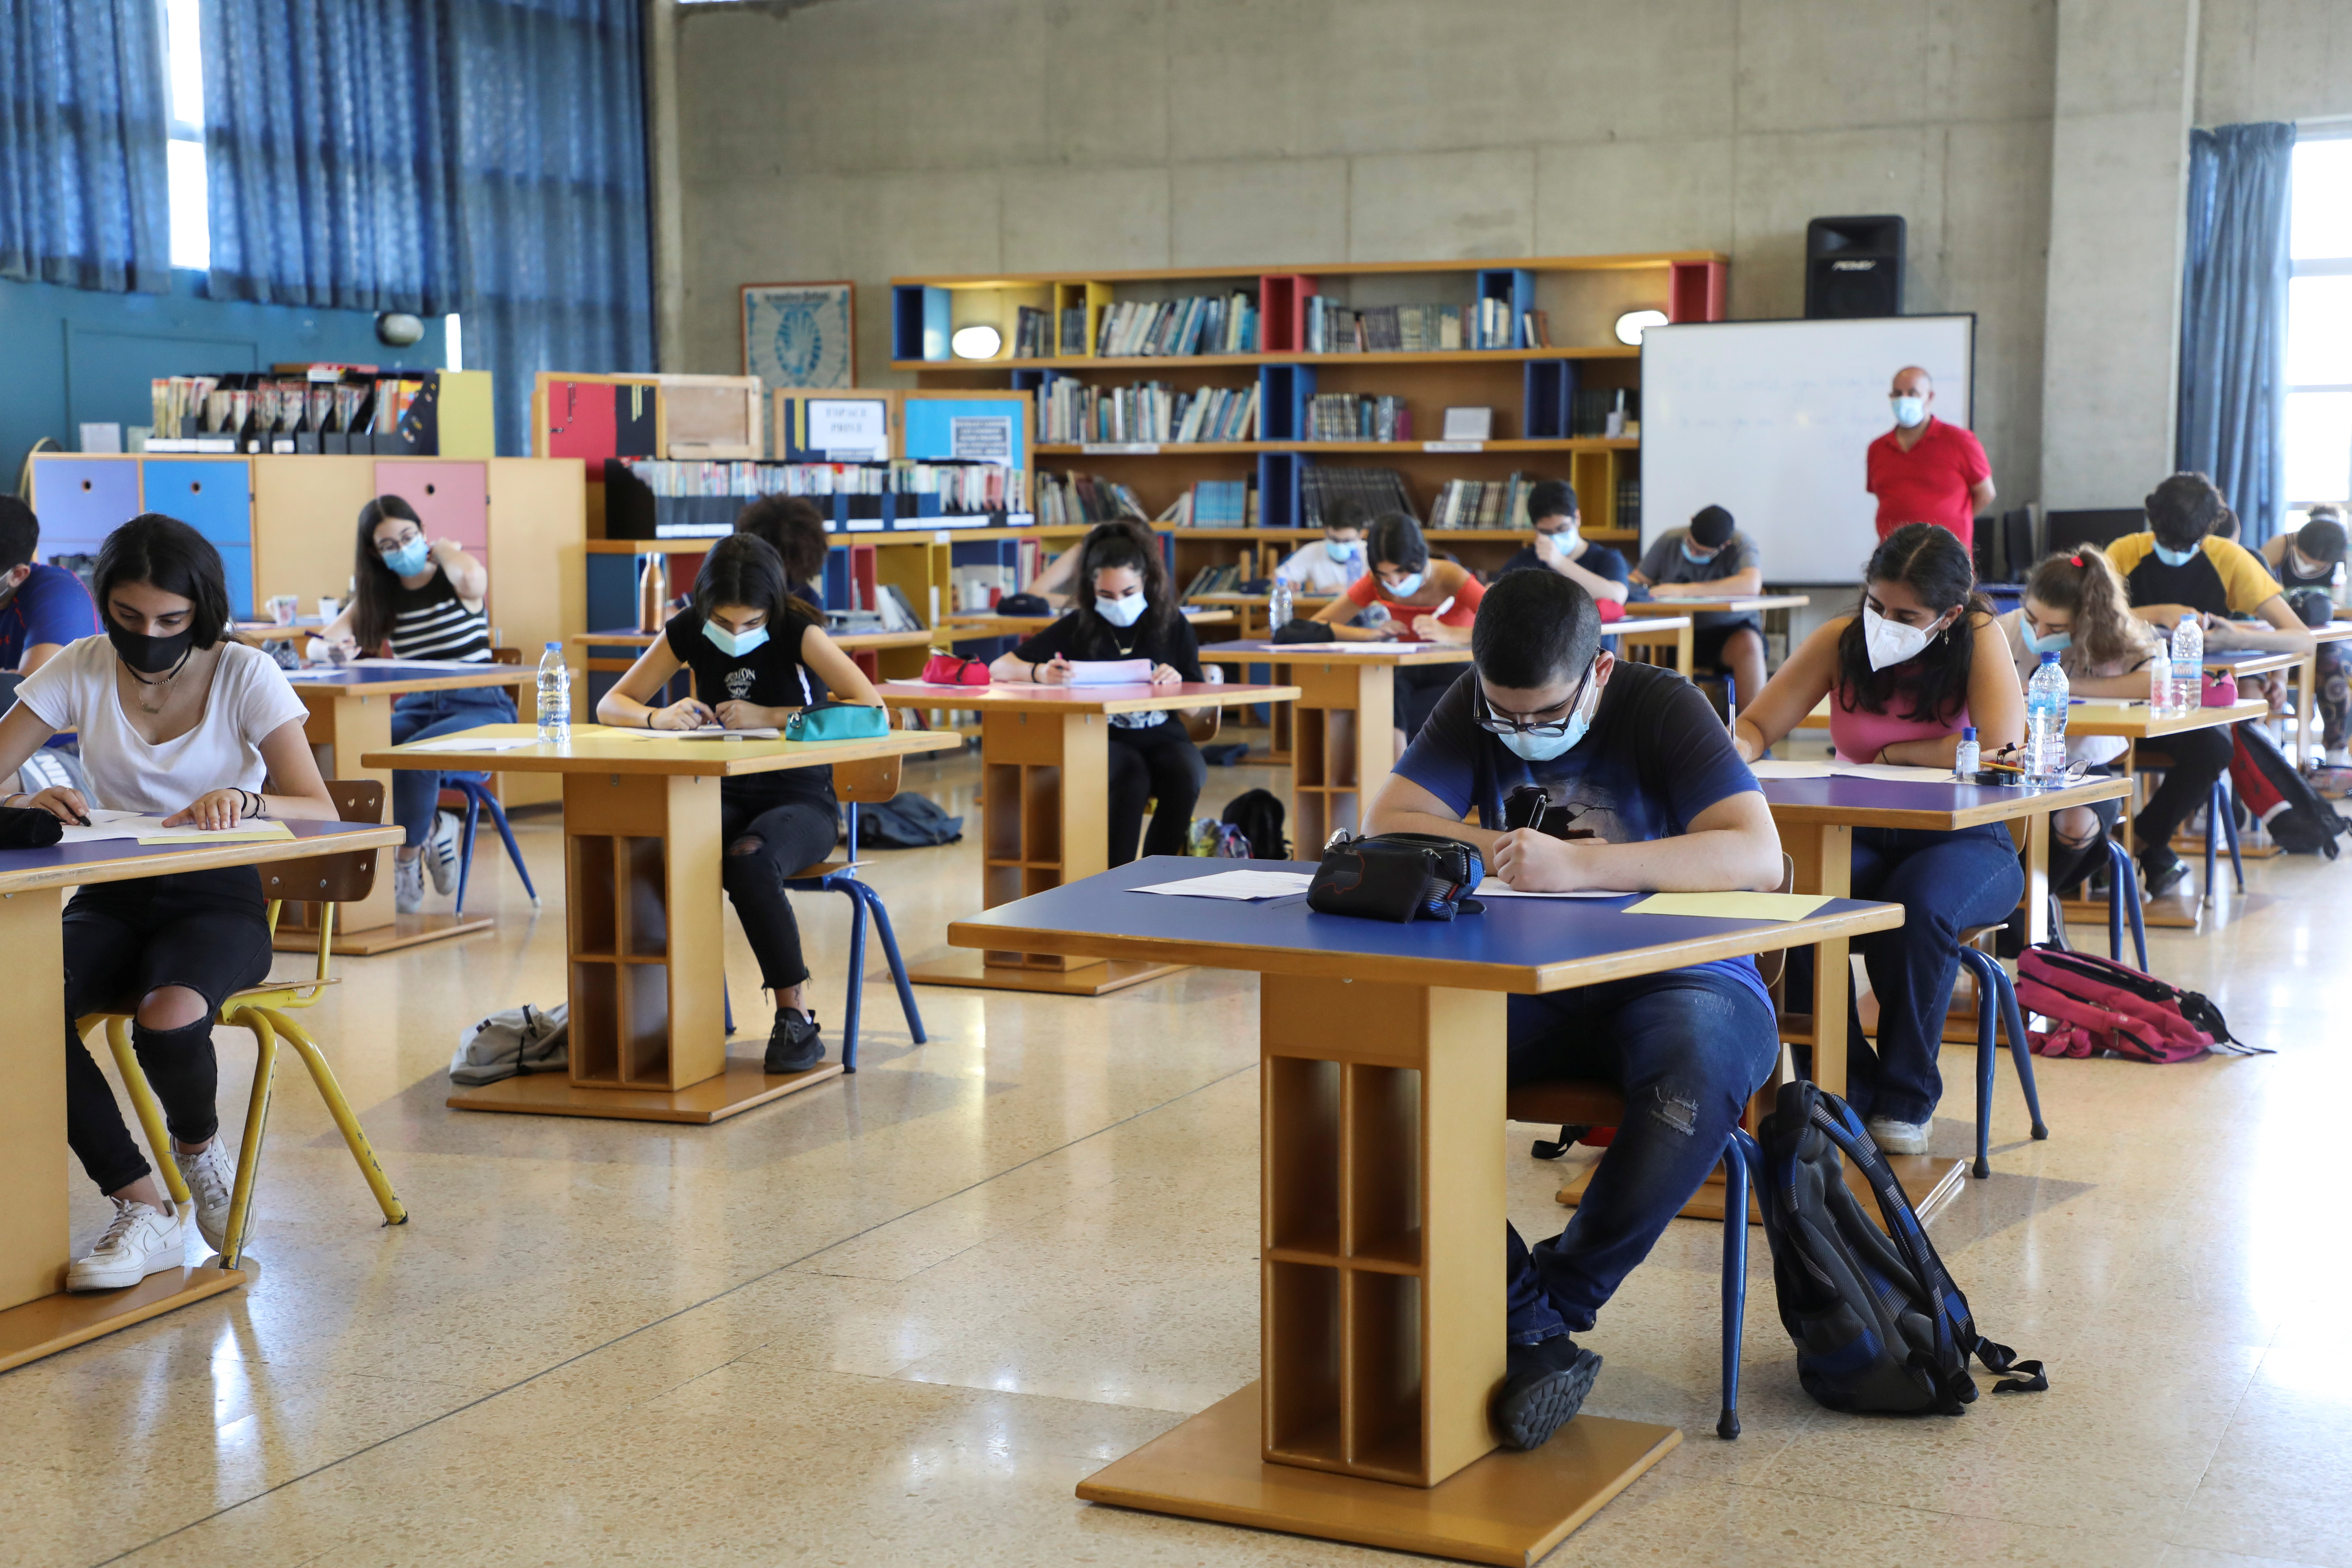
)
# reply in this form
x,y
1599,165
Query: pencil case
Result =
x,y
943,668
25,827
1397,877
838,722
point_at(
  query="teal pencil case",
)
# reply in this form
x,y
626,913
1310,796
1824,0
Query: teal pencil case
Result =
x,y
838,722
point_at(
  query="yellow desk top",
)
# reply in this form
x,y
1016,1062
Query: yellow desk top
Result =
x,y
1021,696
596,749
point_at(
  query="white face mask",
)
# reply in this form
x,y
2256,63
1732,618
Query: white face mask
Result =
x,y
1123,612
1910,412
1892,642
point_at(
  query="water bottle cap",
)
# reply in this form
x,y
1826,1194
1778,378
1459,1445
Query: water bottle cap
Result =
x,y
2047,658
1967,732
555,645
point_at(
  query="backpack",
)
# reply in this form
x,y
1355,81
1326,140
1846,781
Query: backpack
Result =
x,y
519,1040
1219,840
906,821
1259,815
2095,1006
1879,1326
2292,812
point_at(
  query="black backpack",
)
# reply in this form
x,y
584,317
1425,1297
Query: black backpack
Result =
x,y
906,821
2309,824
1879,1325
1258,815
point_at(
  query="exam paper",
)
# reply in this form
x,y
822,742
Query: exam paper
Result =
x,y
1244,886
244,832
148,828
1731,906
1110,672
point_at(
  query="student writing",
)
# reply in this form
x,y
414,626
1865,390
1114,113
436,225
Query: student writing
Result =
x,y
2306,562
174,718
1424,600
1559,545
1128,611
1639,758
1919,660
1711,559
759,656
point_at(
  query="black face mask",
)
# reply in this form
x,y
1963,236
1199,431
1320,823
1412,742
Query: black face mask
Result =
x,y
150,656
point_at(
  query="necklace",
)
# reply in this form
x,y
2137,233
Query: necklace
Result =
x,y
165,681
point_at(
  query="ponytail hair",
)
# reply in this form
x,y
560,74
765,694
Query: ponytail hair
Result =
x,y
2086,585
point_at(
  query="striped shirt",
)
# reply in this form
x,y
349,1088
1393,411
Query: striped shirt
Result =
x,y
432,622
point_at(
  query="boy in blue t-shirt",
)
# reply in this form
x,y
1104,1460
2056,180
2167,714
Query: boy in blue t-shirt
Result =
x,y
1560,546
42,609
1639,759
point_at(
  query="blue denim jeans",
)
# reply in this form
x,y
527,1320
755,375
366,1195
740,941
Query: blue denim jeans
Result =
x,y
1944,882
421,716
1687,1048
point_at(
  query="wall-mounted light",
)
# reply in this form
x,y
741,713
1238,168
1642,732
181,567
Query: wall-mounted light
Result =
x,y
976,342
1633,324
398,329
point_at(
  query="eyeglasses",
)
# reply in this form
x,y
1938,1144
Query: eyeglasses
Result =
x,y
1496,723
394,547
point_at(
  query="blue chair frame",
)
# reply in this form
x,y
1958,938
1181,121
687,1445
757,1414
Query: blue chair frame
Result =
x,y
2221,808
863,900
475,787
1996,1005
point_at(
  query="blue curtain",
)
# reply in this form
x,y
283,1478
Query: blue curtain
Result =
x,y
552,190
328,152
2233,319
84,199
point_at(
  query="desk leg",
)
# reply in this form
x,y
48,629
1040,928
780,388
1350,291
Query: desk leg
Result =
x,y
36,1316
2036,832
645,935
1341,749
1046,778
2306,707
1381,1302
1685,651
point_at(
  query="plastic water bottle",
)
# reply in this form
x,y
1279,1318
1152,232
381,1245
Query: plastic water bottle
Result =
x,y
1278,608
2188,663
554,695
2045,722
2161,694
1967,757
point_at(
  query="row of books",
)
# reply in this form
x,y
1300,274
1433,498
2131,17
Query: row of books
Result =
x,y
1629,504
962,487
1227,579
1358,417
1201,324
1148,411
247,412
1032,336
1482,503
1075,497
1324,487
1588,409
1214,504
1332,328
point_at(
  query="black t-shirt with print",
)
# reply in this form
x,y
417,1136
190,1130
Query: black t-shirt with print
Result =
x,y
771,675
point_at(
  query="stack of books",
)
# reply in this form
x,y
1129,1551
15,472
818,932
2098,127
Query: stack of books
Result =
x,y
1321,488
1214,504
1075,498
1354,416
1150,411
1481,503
1202,324
1333,328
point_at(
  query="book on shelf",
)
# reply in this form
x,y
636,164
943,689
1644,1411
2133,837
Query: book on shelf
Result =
x,y
1211,503
924,495
1072,498
1629,504
1074,330
1590,409
1481,503
1226,579
1535,329
1201,324
1333,328
1075,414
1029,341
1358,417
1495,326
1323,485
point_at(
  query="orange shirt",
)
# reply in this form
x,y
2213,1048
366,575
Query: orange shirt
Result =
x,y
1459,611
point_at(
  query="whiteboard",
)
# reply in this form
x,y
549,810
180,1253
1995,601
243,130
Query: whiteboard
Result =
x,y
1772,420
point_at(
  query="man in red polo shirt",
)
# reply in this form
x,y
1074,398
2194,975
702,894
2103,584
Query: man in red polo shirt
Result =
x,y
1925,470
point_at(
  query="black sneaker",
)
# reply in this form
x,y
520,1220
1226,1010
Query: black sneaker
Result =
x,y
2163,870
1543,1390
795,1044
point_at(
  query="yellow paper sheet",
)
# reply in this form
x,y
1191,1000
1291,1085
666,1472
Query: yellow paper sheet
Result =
x,y
264,833
1731,906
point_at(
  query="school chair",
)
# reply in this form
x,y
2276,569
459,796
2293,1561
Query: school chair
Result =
x,y
322,880
1995,993
472,791
874,780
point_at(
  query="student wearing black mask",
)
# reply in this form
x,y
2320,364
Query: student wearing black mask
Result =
x,y
175,719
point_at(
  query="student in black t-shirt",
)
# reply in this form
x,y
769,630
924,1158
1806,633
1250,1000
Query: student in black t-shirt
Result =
x,y
1559,545
1126,609
758,655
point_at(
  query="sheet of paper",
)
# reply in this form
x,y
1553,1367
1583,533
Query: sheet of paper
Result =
x,y
105,824
1891,773
1110,672
1773,768
254,832
1731,906
1245,886
1494,889
463,742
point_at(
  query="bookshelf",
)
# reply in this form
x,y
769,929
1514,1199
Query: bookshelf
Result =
x,y
1555,363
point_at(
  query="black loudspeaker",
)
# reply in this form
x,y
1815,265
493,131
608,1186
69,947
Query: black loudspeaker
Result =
x,y
1854,267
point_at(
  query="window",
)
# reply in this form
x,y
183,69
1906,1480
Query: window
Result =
x,y
2318,431
183,75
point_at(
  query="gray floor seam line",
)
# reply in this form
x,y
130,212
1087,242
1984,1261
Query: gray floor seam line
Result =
x,y
673,1317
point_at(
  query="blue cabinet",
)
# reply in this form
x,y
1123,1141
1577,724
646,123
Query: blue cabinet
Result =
x,y
81,500
214,497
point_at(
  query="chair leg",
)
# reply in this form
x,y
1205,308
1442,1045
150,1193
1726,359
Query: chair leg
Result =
x,y
898,966
465,849
514,854
355,1137
2215,807
1738,1160
726,1003
257,1121
855,1006
2230,827
1988,1044
2012,1021
2123,889
142,1101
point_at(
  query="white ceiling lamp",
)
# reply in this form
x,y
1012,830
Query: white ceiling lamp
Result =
x,y
1633,324
976,342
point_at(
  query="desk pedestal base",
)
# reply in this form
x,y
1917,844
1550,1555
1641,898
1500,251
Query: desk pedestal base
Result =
x,y
1929,1180
967,969
1505,1508
739,1089
48,1324
406,930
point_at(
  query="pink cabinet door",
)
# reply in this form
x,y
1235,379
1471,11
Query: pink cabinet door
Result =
x,y
452,500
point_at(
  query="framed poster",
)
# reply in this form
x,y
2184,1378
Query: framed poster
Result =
x,y
800,334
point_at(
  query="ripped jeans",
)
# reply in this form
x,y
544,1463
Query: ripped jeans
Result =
x,y
1687,1048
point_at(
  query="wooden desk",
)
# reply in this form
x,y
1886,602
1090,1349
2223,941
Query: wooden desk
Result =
x,y
972,628
1046,769
643,928
38,1315
1693,605
1253,612
351,714
1383,1297
848,642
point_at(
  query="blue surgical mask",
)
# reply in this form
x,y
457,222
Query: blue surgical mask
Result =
x,y
1530,748
2176,557
1123,612
409,558
2056,642
1406,587
1910,411
1339,550
1693,556
734,645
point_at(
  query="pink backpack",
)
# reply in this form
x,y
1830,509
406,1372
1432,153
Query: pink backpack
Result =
x,y
2095,1007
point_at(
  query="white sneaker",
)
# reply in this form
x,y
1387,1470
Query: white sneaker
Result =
x,y
142,1240
441,852
209,1180
2339,756
407,885
1899,1137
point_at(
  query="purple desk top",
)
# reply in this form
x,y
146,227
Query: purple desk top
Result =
x,y
328,677
1518,945
126,860
1866,802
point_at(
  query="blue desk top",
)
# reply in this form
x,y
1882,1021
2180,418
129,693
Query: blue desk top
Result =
x,y
381,675
127,859
1874,803
1518,946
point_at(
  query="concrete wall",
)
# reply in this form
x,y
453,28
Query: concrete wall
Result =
x,y
2273,60
863,137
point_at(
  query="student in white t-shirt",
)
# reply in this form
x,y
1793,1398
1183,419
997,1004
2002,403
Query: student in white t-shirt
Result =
x,y
174,718
1331,564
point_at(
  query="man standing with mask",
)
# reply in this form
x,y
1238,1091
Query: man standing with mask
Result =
x,y
1925,470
